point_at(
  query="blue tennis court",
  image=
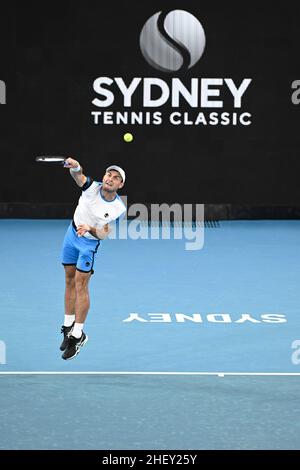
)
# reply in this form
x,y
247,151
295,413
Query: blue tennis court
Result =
x,y
146,412
229,308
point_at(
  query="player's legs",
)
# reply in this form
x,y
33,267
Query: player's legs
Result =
x,y
82,303
77,337
70,292
69,257
70,296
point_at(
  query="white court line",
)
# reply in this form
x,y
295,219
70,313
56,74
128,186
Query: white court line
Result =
x,y
220,374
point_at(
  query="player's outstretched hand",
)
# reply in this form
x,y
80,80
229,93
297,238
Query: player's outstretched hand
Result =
x,y
71,163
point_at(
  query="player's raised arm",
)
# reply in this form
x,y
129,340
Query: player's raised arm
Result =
x,y
75,171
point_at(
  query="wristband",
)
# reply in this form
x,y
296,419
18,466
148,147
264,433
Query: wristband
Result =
x,y
78,168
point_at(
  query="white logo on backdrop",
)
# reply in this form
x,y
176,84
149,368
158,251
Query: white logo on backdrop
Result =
x,y
171,42
182,32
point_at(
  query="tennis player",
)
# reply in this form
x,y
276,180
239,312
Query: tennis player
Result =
x,y
99,205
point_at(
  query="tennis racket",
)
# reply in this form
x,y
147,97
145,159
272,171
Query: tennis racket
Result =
x,y
52,159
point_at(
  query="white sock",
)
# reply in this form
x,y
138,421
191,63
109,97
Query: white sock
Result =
x,y
69,319
77,330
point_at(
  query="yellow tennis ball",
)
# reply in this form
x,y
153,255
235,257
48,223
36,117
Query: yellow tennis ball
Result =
x,y
128,137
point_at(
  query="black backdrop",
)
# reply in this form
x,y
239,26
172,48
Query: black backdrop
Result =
x,y
51,52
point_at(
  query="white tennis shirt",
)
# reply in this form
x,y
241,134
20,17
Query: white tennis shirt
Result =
x,y
94,210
